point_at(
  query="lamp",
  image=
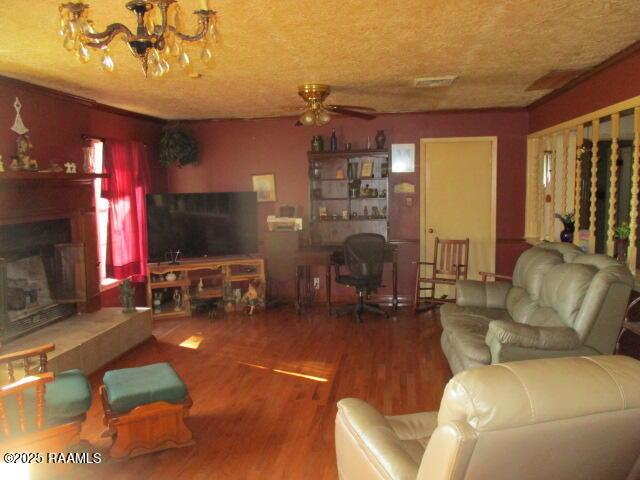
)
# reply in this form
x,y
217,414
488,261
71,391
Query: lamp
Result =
x,y
154,43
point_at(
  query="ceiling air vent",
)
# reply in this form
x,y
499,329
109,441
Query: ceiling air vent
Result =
x,y
434,82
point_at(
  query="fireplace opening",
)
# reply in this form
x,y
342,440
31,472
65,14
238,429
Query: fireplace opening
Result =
x,y
41,276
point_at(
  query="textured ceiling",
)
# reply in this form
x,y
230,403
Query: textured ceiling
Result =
x,y
369,51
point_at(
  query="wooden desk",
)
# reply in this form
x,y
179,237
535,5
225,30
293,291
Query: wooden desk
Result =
x,y
306,257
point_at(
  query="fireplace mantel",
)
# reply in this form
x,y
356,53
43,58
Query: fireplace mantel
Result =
x,y
21,176
27,197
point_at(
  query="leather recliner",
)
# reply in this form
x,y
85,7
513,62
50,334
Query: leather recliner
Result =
x,y
561,302
562,419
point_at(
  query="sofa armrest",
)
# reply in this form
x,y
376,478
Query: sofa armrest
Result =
x,y
472,293
528,336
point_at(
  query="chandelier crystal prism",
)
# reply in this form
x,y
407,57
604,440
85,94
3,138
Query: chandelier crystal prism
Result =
x,y
157,40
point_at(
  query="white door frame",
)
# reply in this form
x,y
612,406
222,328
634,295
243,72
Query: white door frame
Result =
x,y
424,173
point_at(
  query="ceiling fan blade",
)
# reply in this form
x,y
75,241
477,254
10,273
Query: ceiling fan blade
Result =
x,y
353,107
351,113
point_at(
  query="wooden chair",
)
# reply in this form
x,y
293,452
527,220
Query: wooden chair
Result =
x,y
450,264
30,430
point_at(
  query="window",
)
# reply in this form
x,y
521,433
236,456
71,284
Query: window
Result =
x,y
95,152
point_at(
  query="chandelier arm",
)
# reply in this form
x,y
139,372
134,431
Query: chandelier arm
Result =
x,y
161,29
205,21
102,39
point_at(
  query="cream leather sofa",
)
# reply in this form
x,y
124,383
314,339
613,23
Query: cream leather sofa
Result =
x,y
561,302
562,419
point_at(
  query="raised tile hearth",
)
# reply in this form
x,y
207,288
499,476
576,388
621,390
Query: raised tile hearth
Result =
x,y
88,341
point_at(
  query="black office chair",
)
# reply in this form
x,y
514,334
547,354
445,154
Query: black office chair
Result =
x,y
364,257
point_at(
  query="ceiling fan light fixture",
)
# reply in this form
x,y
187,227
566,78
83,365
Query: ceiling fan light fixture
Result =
x,y
322,117
308,118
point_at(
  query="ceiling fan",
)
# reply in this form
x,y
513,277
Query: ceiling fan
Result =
x,y
317,113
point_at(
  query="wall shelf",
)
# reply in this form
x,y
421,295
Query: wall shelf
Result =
x,y
334,197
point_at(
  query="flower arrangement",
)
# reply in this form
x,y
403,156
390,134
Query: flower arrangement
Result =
x,y
567,218
622,231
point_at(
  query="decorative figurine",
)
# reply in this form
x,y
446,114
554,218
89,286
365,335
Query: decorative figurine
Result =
x,y
227,297
56,168
18,124
15,165
170,277
1,164
177,300
70,167
127,293
200,285
157,302
251,299
23,144
365,212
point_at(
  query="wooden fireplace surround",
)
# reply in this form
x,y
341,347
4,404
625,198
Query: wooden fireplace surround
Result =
x,y
27,197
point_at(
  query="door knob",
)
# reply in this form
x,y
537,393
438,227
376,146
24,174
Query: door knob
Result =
x,y
430,230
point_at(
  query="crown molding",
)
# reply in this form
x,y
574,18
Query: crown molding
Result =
x,y
378,114
86,102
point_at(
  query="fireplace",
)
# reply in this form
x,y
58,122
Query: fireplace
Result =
x,y
49,264
42,275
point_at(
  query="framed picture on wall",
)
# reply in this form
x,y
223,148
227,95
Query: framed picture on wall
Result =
x,y
403,157
265,186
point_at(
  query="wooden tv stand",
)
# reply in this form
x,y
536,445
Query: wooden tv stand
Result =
x,y
214,272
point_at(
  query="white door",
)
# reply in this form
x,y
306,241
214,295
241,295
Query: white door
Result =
x,y
458,191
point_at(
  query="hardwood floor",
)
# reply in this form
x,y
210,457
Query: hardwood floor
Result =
x,y
254,415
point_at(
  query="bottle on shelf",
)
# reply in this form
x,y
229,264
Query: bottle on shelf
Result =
x,y
333,141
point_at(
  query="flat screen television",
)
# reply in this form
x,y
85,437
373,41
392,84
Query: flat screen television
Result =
x,y
202,224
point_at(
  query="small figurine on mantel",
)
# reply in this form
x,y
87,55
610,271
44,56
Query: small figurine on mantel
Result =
x,y
56,168
15,164
127,296
23,145
1,165
70,167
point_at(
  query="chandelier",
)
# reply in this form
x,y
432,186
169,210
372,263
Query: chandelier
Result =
x,y
156,42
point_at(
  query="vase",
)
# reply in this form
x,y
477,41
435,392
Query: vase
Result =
x,y
317,144
566,235
380,139
622,244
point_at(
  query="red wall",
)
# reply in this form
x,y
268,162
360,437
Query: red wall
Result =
x,y
233,150
56,123
613,84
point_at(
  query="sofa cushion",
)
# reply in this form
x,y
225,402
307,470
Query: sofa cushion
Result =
x,y
66,398
564,289
466,334
531,268
450,310
129,388
520,306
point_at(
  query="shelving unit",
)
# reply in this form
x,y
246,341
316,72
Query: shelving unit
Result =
x,y
214,272
363,200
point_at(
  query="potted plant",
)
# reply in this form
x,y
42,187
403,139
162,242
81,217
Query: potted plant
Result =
x,y
177,147
569,223
621,234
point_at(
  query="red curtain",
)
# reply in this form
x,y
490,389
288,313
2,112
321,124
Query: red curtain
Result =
x,y
126,188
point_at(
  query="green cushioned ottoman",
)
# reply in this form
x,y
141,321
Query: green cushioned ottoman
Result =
x,y
145,408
